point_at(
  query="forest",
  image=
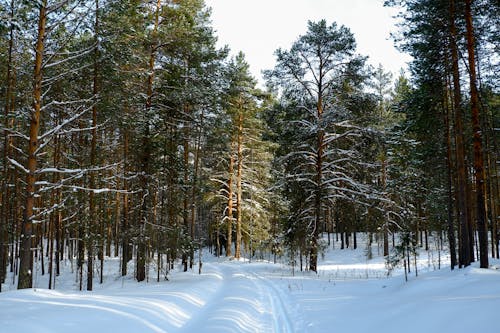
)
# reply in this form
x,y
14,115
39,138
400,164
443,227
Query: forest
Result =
x,y
127,133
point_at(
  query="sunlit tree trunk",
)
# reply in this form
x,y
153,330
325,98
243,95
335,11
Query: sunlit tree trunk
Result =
x,y
26,263
229,238
239,168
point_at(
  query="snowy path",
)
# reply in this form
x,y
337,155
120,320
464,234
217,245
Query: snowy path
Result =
x,y
246,302
227,297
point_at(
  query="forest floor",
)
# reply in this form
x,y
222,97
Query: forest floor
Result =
x,y
349,294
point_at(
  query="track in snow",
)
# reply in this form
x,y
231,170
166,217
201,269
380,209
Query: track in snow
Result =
x,y
245,302
228,297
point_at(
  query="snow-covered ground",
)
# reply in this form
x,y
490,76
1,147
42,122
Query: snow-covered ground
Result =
x,y
349,294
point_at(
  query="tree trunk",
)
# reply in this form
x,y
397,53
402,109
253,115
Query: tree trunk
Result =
x,y
451,228
93,147
194,191
146,155
237,251
126,250
5,192
385,230
493,186
477,140
51,249
185,212
462,198
313,257
490,149
59,238
54,216
26,263
172,209
229,239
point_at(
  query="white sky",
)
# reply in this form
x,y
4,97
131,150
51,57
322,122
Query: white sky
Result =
x,y
259,27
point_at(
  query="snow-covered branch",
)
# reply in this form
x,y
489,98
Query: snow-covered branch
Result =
x,y
17,165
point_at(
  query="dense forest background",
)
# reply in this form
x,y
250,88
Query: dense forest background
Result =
x,y
126,132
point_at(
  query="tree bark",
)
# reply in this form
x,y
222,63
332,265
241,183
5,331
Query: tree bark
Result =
x,y
313,265
194,191
462,198
229,238
93,150
385,227
237,252
477,140
451,228
5,195
26,263
146,154
186,195
126,250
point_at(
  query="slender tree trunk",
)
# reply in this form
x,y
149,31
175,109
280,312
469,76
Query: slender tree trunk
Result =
x,y
229,239
386,226
491,203
5,195
217,240
16,225
172,209
59,251
451,228
185,212
93,148
146,155
59,256
239,168
39,253
462,198
494,190
477,139
313,265
51,249
115,233
490,180
194,192
26,263
54,216
126,250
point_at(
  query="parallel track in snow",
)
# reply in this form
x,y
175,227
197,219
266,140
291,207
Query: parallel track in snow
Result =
x,y
246,302
282,322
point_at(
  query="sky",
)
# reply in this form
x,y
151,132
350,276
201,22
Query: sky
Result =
x,y
259,27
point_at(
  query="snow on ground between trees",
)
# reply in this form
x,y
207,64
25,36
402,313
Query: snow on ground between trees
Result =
x,y
349,294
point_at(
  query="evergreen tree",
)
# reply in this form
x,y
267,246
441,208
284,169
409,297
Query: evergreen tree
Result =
x,y
319,75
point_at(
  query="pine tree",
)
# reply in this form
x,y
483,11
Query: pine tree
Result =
x,y
317,73
26,263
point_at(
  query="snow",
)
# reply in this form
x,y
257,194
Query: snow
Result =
x,y
18,165
349,294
